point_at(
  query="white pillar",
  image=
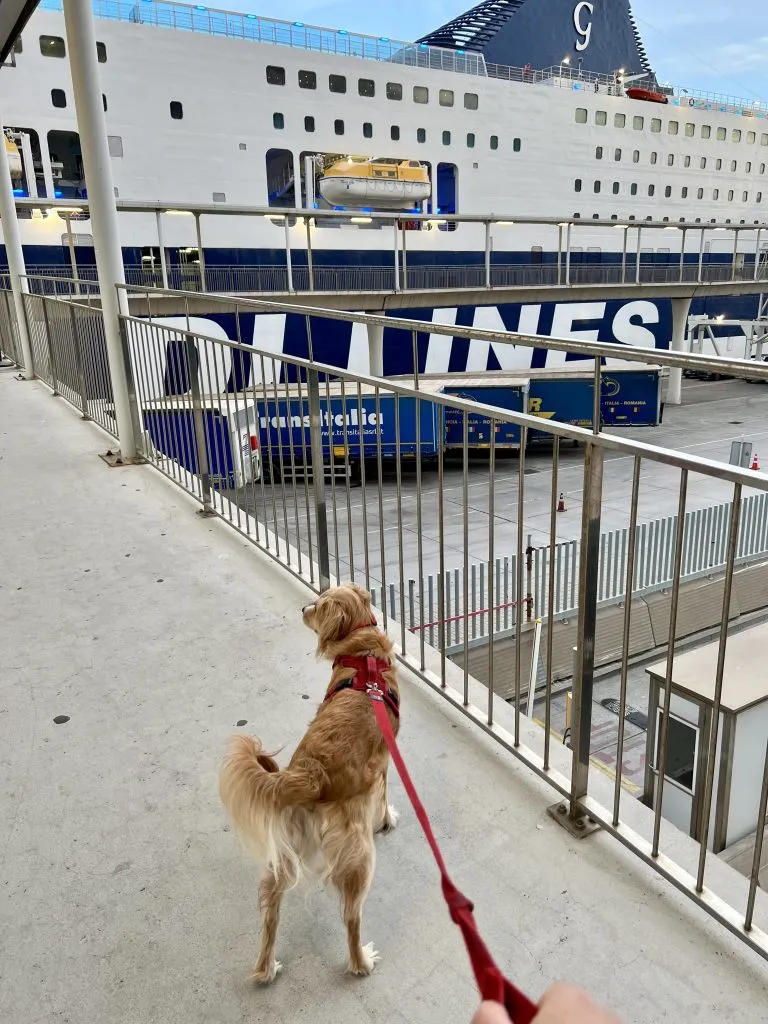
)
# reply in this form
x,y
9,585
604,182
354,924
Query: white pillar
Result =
x,y
15,256
288,261
81,44
72,254
680,310
200,254
376,349
29,166
161,245
487,254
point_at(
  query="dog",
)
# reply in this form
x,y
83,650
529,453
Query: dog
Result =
x,y
318,815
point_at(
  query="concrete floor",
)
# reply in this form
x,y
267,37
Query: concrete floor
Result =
x,y
124,897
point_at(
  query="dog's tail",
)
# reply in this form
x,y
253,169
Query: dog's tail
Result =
x,y
261,800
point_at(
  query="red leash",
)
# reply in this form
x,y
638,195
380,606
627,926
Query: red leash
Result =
x,y
490,981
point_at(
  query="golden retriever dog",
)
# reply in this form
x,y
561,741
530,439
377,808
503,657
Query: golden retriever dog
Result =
x,y
318,815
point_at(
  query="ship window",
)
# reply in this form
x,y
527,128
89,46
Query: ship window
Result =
x,y
721,134
104,102
52,46
18,46
494,142
597,187
470,101
633,189
762,168
748,167
581,115
421,134
715,193
599,153
703,163
734,165
420,94
601,117
58,98
656,125
394,133
577,185
337,83
687,161
309,123
636,157
115,143
307,79
177,111
684,192
654,157
730,195
651,192
219,197
745,197
638,123
338,126
759,197
616,188
281,183
366,87
718,164
673,127
394,91
706,131
446,138
101,53
275,75
670,159
516,145
690,130
736,135
278,121
242,146
470,140
751,138
445,97
617,155
764,140
619,120
700,193
668,192
367,130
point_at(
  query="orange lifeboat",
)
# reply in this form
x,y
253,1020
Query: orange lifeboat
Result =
x,y
637,92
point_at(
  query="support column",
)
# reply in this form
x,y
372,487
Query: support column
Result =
x,y
81,45
72,254
376,349
161,246
15,257
487,254
200,254
680,310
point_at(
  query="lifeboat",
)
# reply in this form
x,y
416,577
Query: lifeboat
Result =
x,y
637,92
14,158
378,183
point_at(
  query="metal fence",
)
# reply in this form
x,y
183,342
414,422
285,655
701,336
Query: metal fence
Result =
x,y
211,413
281,279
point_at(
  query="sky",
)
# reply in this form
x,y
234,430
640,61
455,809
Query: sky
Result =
x,y
699,44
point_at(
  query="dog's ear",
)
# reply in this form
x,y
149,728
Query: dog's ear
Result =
x,y
337,613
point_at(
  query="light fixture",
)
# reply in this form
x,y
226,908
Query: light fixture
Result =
x,y
504,223
672,227
564,224
68,209
566,60
179,213
360,220
276,216
436,222
620,227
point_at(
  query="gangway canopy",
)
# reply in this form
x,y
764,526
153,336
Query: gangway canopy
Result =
x,y
14,15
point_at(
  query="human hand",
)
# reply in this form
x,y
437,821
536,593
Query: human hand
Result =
x,y
560,1004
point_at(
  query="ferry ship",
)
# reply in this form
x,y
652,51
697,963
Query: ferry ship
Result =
x,y
539,107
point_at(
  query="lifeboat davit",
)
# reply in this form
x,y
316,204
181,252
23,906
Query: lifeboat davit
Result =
x,y
376,183
637,92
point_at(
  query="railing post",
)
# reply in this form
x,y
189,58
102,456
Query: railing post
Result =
x,y
201,256
79,364
310,265
397,256
288,261
487,254
161,246
49,345
318,479
201,440
573,817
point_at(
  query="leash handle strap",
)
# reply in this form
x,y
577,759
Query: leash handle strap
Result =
x,y
490,981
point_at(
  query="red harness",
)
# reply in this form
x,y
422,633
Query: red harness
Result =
x,y
490,981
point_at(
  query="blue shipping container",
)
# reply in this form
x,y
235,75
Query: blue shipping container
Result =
x,y
511,398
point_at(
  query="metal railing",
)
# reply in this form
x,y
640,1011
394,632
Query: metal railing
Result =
x,y
276,279
296,34
341,475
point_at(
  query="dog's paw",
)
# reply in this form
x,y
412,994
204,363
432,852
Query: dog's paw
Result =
x,y
390,821
265,974
369,959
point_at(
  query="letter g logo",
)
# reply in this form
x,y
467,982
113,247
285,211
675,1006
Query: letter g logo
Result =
x,y
583,30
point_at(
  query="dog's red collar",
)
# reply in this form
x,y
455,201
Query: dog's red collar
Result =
x,y
368,679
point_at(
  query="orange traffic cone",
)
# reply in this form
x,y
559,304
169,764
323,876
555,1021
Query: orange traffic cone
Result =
x,y
755,464
561,502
